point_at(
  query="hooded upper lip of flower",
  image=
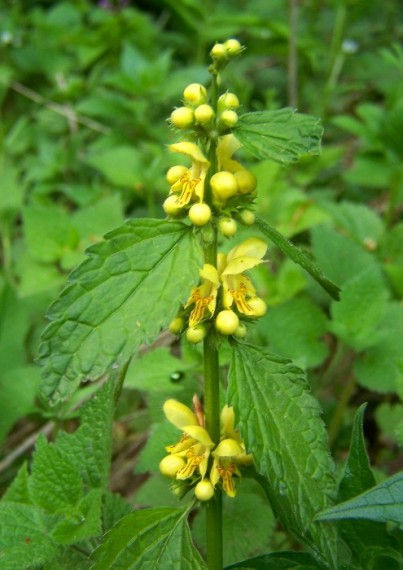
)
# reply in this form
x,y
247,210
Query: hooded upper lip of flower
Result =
x,y
191,184
205,295
226,147
237,286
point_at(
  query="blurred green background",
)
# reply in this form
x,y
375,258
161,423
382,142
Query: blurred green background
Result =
x,y
85,92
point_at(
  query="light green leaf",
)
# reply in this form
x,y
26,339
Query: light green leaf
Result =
x,y
365,539
120,165
280,423
49,232
383,503
151,539
298,256
294,329
357,316
283,135
120,297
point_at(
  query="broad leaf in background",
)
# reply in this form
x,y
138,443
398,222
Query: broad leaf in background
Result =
x,y
367,540
120,297
383,503
283,135
280,423
298,256
278,561
150,539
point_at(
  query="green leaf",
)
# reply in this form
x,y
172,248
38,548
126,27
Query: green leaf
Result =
x,y
152,539
357,316
298,256
89,448
383,503
120,297
278,561
85,522
120,165
365,539
283,135
339,257
55,483
25,541
295,329
280,423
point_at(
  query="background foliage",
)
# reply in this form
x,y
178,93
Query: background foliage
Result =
x,y
85,89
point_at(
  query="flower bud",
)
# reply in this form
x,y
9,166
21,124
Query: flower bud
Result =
x,y
204,490
218,51
227,227
196,334
170,465
241,331
203,114
228,101
171,207
247,217
227,322
228,448
246,181
258,306
233,47
195,94
175,173
176,325
228,118
223,185
182,118
200,214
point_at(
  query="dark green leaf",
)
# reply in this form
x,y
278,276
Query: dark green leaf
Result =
x,y
383,503
121,296
280,423
151,539
278,561
283,135
298,256
366,538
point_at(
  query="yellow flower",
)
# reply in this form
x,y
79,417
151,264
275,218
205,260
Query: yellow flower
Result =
x,y
224,464
237,287
195,443
204,297
191,184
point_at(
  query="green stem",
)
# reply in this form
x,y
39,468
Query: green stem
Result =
x,y
212,381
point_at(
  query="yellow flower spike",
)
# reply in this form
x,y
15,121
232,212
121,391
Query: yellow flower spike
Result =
x,y
191,184
204,297
178,414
